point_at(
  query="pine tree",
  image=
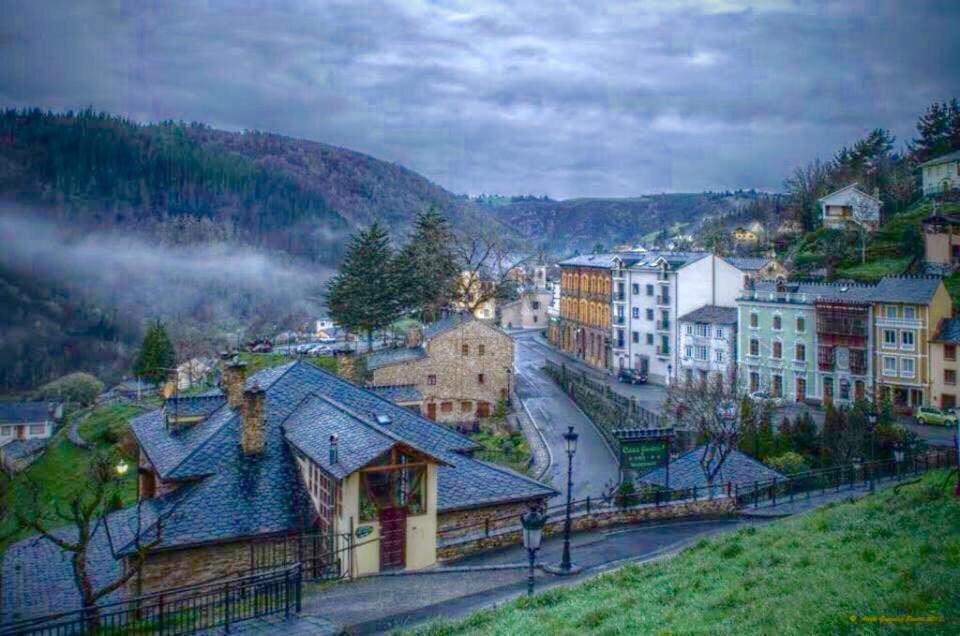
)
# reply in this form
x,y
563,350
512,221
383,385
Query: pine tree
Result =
x,y
363,295
939,129
157,355
429,266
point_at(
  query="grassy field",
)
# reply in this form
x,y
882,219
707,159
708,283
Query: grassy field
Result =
x,y
57,472
831,571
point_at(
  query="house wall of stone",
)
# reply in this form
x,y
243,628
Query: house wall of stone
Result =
x,y
176,568
463,523
521,313
457,389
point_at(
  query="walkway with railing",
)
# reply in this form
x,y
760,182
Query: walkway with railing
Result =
x,y
185,610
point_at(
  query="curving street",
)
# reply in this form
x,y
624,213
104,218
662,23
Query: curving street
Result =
x,y
594,466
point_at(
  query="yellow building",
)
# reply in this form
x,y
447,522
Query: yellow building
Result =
x,y
476,296
907,312
743,235
586,293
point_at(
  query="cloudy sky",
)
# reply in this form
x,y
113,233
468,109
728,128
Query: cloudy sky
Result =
x,y
599,98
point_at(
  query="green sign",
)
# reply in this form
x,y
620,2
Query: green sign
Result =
x,y
363,531
642,454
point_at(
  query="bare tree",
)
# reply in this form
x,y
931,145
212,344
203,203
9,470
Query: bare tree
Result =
x,y
85,510
488,270
710,410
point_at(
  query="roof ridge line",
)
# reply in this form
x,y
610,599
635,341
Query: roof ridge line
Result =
x,y
509,471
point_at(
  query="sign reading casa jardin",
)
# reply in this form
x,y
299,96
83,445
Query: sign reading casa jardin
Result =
x,y
643,450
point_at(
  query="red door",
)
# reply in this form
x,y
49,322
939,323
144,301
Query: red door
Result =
x,y
393,538
432,410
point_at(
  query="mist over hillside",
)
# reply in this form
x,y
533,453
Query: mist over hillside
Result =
x,y
79,300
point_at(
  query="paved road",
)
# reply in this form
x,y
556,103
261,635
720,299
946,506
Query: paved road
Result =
x,y
594,466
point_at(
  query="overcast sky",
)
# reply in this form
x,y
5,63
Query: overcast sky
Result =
x,y
568,99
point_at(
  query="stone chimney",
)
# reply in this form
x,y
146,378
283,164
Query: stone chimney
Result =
x,y
252,437
414,337
234,375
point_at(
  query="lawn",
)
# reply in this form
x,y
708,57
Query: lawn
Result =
x,y
830,571
58,472
259,361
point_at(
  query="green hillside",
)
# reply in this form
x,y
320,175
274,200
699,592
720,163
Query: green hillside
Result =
x,y
895,248
831,571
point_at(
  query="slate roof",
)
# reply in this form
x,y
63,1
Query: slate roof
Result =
x,y
443,325
748,263
592,260
20,448
918,290
852,186
949,331
853,292
712,314
675,260
947,158
195,405
398,393
228,495
24,412
387,357
686,471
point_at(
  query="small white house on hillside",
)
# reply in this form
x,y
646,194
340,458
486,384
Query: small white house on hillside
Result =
x,y
942,174
850,208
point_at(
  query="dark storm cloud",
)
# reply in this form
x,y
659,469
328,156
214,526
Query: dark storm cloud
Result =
x,y
570,99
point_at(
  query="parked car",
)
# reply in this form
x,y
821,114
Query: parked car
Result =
x,y
930,415
632,376
762,397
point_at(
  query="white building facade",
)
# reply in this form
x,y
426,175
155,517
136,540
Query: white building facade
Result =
x,y
650,291
708,344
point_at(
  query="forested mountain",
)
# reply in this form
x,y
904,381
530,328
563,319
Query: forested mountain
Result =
x,y
580,224
188,182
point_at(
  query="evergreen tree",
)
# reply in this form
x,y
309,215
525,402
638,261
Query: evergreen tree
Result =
x,y
939,131
156,356
363,295
806,437
428,266
765,435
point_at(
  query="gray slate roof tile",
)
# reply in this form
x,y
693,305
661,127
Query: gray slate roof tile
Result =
x,y
712,314
686,471
25,412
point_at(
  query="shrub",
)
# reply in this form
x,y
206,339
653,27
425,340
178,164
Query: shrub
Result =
x,y
79,387
788,463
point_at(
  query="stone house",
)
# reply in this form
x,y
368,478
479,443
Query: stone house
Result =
x,y
708,343
229,478
758,267
941,175
527,312
462,367
850,208
943,364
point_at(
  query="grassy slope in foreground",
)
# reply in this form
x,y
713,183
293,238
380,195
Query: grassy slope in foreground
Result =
x,y
893,554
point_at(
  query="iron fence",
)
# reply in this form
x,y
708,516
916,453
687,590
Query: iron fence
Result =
x,y
772,492
317,551
183,610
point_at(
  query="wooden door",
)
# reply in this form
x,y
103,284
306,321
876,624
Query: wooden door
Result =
x,y
483,409
432,410
393,538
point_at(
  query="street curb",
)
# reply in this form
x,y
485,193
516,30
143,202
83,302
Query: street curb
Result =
x,y
543,439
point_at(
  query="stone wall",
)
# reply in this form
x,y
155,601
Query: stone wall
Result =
x,y
459,546
177,568
461,523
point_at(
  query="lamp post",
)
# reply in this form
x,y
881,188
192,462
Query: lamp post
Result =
x,y
872,430
570,437
532,522
669,373
897,458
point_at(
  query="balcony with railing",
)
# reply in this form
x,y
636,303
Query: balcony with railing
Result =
x,y
663,350
663,325
619,320
663,299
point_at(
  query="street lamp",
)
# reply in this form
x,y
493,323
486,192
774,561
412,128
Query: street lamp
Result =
x,y
570,437
669,373
872,429
122,467
532,523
